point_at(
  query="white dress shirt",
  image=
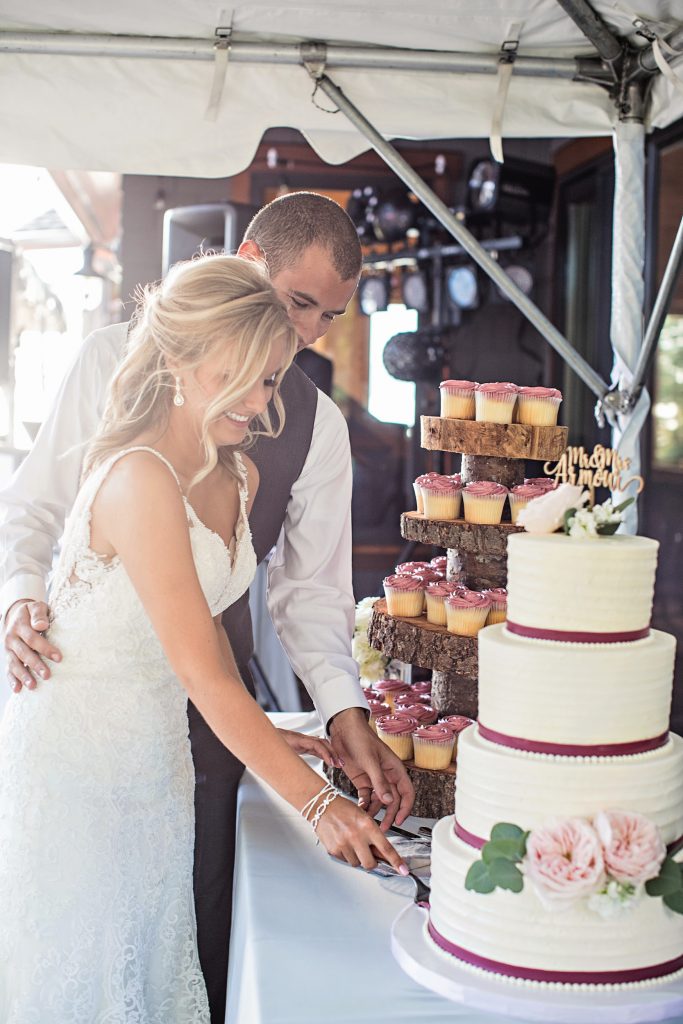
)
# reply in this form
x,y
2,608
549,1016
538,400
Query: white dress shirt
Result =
x,y
310,597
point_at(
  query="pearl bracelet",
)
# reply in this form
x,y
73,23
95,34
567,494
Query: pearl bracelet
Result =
x,y
326,795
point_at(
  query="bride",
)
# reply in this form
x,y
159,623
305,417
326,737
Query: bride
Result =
x,y
96,776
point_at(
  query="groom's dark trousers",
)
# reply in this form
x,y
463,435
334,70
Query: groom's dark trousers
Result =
x,y
217,773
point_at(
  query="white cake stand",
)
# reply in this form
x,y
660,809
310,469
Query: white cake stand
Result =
x,y
447,977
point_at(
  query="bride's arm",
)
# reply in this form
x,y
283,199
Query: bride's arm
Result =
x,y
141,513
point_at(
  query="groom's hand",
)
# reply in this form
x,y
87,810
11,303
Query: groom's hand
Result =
x,y
25,621
378,775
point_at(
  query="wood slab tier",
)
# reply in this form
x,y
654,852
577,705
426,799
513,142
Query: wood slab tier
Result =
x,y
434,791
505,440
419,642
480,539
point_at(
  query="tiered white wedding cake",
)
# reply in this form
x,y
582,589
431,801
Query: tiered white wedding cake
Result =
x,y
572,768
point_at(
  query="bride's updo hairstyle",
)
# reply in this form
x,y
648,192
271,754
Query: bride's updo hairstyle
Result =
x,y
204,306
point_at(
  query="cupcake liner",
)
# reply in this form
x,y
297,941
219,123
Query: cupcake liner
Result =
x,y
466,621
496,615
483,508
401,744
457,404
490,409
418,497
516,505
408,604
433,754
436,610
441,506
538,412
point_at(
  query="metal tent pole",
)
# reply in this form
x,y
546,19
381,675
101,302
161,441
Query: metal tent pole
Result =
x,y
659,311
394,160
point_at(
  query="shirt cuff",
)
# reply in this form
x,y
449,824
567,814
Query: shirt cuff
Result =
x,y
31,588
337,695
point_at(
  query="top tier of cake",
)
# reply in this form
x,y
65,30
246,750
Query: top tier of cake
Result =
x,y
594,589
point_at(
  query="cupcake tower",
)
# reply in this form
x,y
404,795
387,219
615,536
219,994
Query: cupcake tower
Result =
x,y
434,623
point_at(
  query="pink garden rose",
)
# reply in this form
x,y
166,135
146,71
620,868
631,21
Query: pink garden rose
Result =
x,y
632,848
564,862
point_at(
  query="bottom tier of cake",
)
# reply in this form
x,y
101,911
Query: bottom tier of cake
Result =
x,y
513,936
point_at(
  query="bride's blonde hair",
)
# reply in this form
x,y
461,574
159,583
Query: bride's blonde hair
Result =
x,y
204,306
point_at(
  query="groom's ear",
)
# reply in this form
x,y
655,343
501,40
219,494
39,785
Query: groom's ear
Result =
x,y
251,250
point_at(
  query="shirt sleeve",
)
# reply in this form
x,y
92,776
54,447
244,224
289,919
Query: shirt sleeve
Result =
x,y
310,595
35,503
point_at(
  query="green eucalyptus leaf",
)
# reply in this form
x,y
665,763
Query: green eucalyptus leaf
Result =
x,y
624,504
504,830
506,875
668,881
565,519
478,878
608,529
505,849
674,901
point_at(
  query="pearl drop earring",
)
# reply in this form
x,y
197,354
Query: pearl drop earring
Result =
x,y
178,398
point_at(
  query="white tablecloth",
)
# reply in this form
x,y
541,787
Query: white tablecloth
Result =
x,y
311,937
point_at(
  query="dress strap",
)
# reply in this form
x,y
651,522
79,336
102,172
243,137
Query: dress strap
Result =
x,y
144,448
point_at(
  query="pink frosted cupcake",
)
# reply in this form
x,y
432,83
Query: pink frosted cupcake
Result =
x,y
457,723
370,693
422,688
397,732
378,709
392,690
484,501
433,746
496,402
429,576
441,498
424,713
405,595
520,496
457,399
440,563
417,487
538,406
499,605
435,595
466,612
412,567
546,482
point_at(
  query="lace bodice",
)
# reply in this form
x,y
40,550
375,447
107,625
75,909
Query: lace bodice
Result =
x,y
97,799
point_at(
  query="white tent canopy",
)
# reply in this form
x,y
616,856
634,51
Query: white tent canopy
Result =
x,y
126,86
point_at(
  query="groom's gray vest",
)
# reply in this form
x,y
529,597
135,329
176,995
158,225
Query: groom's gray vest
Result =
x,y
279,461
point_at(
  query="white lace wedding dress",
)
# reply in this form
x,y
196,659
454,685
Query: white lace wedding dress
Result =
x,y
97,922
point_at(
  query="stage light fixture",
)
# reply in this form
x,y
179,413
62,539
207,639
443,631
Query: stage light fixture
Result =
x,y
521,276
462,287
373,293
393,217
416,355
414,290
519,191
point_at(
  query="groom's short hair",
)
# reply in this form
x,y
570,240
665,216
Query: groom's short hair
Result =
x,y
289,225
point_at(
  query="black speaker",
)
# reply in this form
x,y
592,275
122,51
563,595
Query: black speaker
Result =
x,y
189,230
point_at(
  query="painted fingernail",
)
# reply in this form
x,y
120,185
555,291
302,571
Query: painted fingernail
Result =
x,y
56,656
403,870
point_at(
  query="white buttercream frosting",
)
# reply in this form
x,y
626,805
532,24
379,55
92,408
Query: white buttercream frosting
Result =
x,y
568,693
595,584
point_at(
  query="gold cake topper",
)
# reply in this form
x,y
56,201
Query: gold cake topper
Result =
x,y
603,467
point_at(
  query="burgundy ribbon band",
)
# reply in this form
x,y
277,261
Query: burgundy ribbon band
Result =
x,y
477,842
574,636
573,749
567,977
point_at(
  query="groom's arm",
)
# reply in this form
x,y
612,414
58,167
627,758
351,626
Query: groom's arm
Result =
x,y
311,602
36,501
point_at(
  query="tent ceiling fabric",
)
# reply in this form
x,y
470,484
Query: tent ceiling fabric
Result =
x,y
146,115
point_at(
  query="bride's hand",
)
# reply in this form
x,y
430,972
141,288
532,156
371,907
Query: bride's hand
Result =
x,y
352,835
313,746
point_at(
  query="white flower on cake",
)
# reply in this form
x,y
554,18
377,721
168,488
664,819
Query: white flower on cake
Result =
x,y
546,514
371,663
615,899
601,520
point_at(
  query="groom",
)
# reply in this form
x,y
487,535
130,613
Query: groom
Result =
x,y
302,507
